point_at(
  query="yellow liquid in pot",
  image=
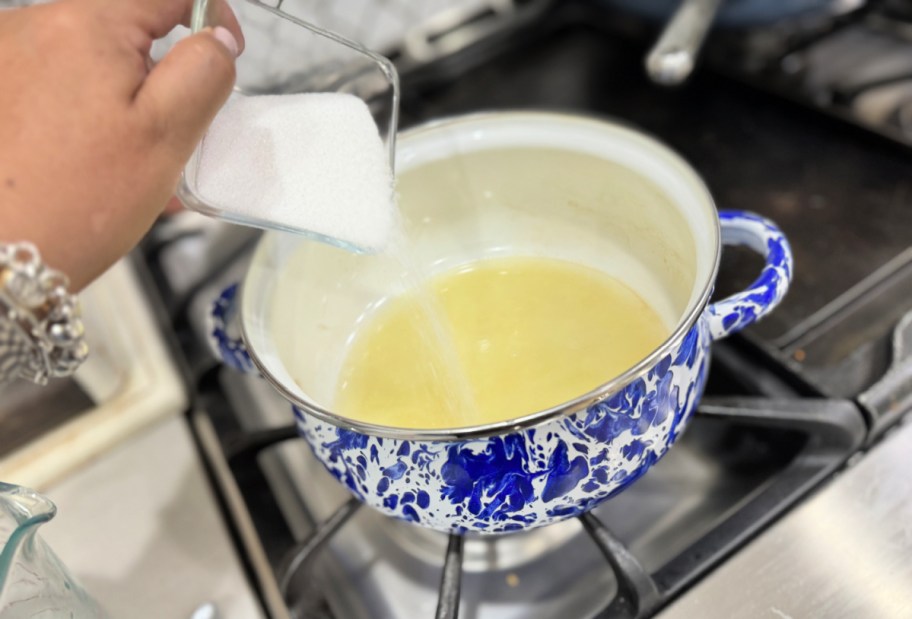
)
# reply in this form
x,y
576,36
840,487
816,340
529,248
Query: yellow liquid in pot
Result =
x,y
518,335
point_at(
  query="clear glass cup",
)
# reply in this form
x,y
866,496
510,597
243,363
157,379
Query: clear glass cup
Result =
x,y
286,53
33,581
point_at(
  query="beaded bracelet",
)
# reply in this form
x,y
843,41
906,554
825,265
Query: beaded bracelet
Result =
x,y
41,334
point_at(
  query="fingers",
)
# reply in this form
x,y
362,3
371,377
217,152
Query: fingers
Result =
x,y
159,17
183,92
225,17
174,206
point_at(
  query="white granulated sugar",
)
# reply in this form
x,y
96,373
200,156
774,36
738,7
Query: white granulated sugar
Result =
x,y
310,162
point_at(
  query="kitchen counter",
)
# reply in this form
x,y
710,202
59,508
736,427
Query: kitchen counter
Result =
x,y
844,553
140,529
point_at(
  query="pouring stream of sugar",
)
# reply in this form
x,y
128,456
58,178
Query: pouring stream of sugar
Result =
x,y
315,164
312,164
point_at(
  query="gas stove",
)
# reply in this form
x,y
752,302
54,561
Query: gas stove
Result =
x,y
795,410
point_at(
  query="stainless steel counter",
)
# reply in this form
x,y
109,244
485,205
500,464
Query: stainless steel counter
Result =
x,y
845,553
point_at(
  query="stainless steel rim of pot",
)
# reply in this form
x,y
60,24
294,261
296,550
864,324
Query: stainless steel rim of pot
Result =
x,y
541,417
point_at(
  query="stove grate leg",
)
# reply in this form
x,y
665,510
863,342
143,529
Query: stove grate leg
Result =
x,y
300,558
450,580
637,595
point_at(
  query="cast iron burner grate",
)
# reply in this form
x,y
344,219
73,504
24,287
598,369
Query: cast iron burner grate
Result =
x,y
832,430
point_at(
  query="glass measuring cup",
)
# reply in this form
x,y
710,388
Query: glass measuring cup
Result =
x,y
287,54
33,581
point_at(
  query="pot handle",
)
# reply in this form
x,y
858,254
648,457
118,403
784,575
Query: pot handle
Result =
x,y
224,332
763,236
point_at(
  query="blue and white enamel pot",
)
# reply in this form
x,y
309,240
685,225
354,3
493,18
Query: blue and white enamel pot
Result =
x,y
509,183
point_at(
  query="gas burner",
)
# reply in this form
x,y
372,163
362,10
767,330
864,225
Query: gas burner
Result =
x,y
856,67
830,431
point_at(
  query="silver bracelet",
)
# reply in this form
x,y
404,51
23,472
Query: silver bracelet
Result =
x,y
41,334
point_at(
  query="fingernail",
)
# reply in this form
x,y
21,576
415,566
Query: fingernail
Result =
x,y
224,36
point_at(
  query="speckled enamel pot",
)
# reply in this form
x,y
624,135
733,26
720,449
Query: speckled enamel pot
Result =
x,y
647,214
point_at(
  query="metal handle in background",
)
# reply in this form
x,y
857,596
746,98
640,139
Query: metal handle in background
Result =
x,y
672,58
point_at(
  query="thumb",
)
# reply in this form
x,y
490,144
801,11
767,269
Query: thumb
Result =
x,y
182,93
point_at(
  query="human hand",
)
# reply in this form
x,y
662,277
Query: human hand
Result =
x,y
93,137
